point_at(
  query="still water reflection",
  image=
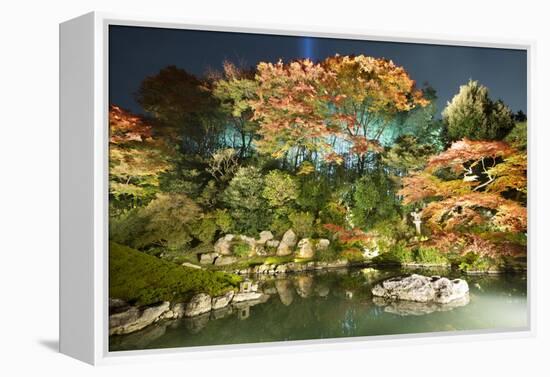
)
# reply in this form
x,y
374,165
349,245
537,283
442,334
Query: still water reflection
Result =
x,y
338,304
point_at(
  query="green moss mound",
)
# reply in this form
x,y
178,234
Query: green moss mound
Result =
x,y
144,279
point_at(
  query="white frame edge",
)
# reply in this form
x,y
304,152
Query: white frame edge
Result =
x,y
84,190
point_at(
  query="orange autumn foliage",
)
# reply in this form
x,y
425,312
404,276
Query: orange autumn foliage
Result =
x,y
301,104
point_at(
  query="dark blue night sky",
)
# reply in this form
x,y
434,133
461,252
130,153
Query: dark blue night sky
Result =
x,y
138,52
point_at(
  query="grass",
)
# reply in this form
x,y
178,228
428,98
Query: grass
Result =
x,y
279,259
143,279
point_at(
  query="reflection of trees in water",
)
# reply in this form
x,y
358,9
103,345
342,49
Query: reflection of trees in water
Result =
x,y
349,326
314,306
501,285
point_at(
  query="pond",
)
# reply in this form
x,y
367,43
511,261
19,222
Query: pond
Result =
x,y
338,304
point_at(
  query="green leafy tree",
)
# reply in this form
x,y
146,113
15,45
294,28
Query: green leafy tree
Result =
x,y
373,200
169,220
518,136
472,114
407,153
165,222
235,91
281,190
420,122
302,223
243,197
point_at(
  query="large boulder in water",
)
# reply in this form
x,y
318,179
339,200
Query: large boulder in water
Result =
x,y
287,244
222,301
421,288
134,318
199,304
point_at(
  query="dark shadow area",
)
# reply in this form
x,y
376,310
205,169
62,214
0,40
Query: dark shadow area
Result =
x,y
52,345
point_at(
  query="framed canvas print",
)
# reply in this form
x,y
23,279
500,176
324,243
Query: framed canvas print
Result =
x,y
225,187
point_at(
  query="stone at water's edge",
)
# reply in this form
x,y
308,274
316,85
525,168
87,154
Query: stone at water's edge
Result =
x,y
287,244
199,304
272,243
178,309
322,244
207,258
305,248
134,318
421,288
222,301
265,236
240,297
224,260
223,245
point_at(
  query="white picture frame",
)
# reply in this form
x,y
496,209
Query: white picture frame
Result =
x,y
84,190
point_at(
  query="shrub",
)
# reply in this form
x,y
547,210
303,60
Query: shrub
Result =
x,y
302,223
353,255
280,190
205,229
126,228
474,262
429,255
169,218
280,225
331,253
398,254
240,249
518,136
223,220
333,213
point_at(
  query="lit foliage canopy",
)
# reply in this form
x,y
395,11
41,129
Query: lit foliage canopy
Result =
x,y
312,106
485,178
168,219
136,157
235,90
291,107
366,93
319,147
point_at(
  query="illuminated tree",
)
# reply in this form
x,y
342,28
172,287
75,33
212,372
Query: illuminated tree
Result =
x,y
244,198
235,91
292,109
313,108
469,185
168,220
366,94
472,114
136,158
